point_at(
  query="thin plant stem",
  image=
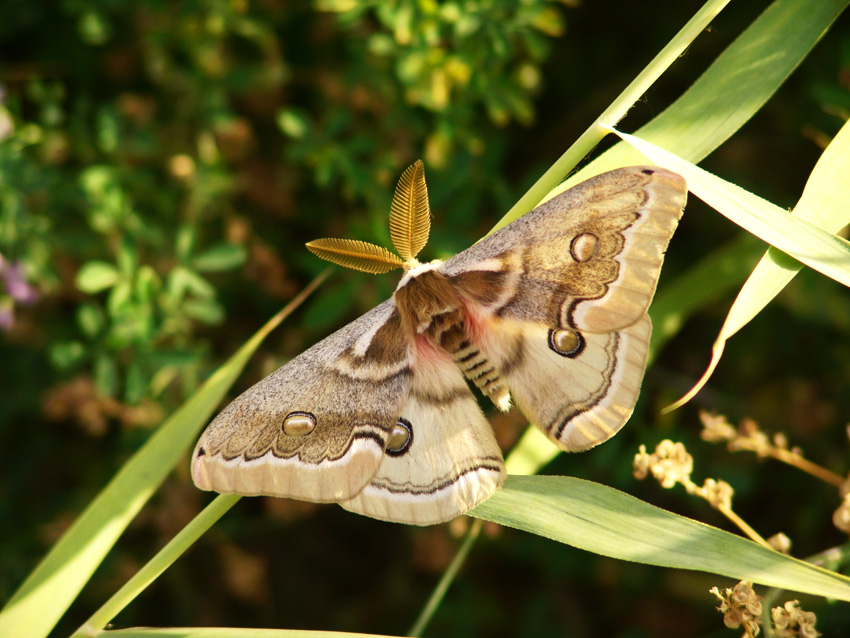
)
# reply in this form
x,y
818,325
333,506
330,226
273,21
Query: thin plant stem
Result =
x,y
802,463
743,526
445,582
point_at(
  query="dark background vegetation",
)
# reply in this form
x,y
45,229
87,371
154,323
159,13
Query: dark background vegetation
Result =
x,y
161,166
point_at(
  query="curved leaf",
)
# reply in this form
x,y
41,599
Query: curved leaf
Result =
x,y
605,521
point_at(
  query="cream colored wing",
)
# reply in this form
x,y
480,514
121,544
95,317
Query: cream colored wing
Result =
x,y
587,259
445,459
579,388
318,427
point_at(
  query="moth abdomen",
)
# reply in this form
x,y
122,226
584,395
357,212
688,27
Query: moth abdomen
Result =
x,y
478,369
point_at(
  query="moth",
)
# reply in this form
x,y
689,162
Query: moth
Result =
x,y
549,313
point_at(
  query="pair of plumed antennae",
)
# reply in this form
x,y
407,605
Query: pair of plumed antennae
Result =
x,y
410,223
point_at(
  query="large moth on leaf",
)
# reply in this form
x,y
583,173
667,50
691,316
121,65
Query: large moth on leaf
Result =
x,y
548,312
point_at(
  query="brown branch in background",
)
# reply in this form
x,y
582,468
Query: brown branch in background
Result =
x,y
748,436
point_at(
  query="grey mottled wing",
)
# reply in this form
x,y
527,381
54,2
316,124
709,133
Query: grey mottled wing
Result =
x,y
317,428
564,264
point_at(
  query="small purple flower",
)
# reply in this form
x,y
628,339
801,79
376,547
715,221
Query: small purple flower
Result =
x,y
16,285
17,291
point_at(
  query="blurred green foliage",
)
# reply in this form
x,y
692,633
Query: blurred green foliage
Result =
x,y
161,166
127,157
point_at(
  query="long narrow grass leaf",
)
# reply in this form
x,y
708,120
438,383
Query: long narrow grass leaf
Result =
x,y
545,186
802,240
824,204
51,587
158,564
605,521
735,87
707,281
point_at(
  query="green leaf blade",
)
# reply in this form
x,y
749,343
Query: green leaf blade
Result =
x,y
38,604
608,522
96,276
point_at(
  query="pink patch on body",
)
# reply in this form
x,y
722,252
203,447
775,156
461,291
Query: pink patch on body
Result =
x,y
479,330
479,325
427,352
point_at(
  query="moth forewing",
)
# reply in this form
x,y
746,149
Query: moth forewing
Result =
x,y
662,200
627,216
352,391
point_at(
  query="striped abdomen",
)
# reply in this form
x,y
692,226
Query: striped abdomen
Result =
x,y
448,329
